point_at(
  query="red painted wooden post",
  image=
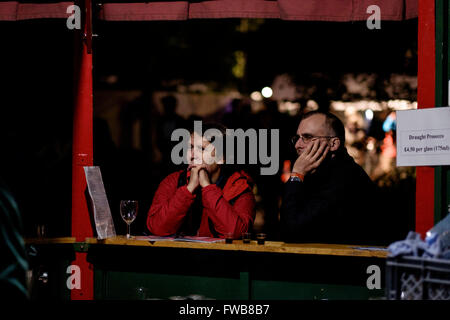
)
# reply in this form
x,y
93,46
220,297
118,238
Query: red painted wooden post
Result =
x,y
82,152
425,99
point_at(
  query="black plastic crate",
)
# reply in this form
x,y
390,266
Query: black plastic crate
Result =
x,y
415,278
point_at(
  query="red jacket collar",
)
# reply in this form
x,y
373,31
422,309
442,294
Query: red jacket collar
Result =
x,y
237,183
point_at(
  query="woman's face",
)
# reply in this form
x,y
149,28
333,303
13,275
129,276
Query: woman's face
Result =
x,y
202,153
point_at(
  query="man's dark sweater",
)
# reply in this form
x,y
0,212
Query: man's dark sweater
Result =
x,y
335,204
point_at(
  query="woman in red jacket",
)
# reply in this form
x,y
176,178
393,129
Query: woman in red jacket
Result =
x,y
208,199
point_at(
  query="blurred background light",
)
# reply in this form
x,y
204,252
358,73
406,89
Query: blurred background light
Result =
x,y
267,92
256,96
369,114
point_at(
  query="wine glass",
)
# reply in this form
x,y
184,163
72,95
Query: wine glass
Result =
x,y
128,211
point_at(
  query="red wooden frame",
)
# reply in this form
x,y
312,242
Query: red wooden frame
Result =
x,y
82,151
426,99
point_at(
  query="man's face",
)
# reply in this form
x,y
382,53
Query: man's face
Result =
x,y
313,126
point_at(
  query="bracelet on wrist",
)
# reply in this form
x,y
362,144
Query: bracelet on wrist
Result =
x,y
299,175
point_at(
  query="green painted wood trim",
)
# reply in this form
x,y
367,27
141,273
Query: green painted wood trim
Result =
x,y
245,285
446,169
441,19
99,284
441,173
81,247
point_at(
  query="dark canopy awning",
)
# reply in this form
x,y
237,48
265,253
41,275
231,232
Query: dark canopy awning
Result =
x,y
24,10
306,10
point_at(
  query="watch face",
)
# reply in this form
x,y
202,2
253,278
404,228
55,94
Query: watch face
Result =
x,y
294,178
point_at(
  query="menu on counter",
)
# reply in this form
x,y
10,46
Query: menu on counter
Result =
x,y
99,205
179,238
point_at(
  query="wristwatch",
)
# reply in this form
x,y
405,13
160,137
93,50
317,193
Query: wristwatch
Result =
x,y
295,178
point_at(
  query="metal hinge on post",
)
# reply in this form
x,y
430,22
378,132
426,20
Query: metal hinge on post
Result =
x,y
83,159
81,247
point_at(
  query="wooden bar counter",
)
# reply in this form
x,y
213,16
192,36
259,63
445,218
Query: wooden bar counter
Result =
x,y
141,269
269,246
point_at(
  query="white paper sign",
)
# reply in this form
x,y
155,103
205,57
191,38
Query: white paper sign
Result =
x,y
423,137
104,224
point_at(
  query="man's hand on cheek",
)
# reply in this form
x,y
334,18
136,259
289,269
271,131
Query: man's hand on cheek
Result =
x,y
312,157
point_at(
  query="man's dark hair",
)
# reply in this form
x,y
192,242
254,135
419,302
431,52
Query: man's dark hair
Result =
x,y
332,121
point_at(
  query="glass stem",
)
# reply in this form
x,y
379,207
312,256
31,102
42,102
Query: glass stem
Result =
x,y
128,231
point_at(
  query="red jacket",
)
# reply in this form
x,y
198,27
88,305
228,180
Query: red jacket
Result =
x,y
171,204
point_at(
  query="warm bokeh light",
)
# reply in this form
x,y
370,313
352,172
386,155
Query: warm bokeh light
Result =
x,y
256,96
267,92
369,114
374,105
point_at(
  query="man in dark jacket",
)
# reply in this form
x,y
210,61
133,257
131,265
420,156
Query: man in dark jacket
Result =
x,y
328,198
